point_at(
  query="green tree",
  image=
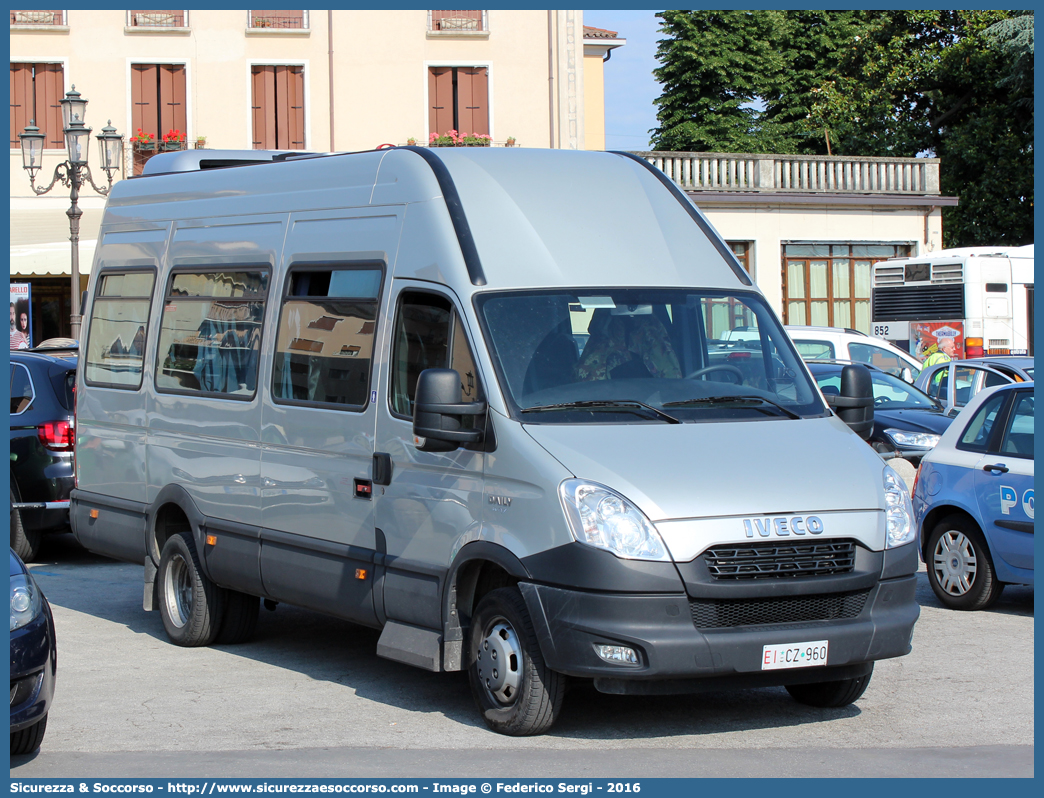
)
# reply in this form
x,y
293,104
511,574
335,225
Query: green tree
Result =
x,y
955,84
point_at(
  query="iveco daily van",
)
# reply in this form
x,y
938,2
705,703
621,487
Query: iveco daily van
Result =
x,y
485,401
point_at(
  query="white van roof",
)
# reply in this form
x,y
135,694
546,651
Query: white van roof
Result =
x,y
537,218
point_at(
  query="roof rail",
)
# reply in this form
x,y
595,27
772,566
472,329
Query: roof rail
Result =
x,y
198,160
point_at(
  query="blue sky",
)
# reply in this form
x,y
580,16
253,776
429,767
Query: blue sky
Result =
x,y
630,87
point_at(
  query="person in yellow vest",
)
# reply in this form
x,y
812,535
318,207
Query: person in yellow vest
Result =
x,y
943,354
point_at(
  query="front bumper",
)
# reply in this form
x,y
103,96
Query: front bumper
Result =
x,y
33,670
662,630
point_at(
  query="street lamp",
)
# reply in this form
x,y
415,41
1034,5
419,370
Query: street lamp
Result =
x,y
73,172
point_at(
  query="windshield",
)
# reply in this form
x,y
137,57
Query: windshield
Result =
x,y
623,355
890,392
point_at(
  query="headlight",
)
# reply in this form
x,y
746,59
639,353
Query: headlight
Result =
x,y
922,440
602,518
899,525
26,601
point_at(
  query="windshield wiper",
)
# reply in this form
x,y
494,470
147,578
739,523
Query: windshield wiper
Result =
x,y
641,408
746,399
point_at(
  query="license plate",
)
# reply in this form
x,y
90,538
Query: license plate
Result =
x,y
794,655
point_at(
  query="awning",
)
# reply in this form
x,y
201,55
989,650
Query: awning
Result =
x,y
51,259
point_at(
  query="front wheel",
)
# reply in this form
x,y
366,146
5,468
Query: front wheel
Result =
x,y
960,570
514,690
25,542
834,694
28,740
190,605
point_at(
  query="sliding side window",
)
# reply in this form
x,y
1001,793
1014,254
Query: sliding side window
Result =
x,y
119,327
210,333
324,346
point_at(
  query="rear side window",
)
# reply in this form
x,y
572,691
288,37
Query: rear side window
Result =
x,y
815,350
882,358
210,333
1018,437
64,383
976,436
324,344
119,327
21,389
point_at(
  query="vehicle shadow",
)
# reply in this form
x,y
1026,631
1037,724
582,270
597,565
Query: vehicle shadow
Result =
x,y
332,650
1014,600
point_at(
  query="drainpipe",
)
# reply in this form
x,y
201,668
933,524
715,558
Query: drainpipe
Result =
x,y
551,78
329,33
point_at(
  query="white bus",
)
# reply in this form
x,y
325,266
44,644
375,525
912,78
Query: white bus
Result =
x,y
983,296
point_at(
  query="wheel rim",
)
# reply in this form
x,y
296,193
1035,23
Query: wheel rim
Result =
x,y
177,591
499,662
955,563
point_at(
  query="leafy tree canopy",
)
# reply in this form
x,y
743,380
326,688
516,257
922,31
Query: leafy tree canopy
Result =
x,y
957,84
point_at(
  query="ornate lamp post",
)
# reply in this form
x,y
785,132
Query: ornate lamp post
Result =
x,y
73,173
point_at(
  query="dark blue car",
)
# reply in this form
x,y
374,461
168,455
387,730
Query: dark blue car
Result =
x,y
34,660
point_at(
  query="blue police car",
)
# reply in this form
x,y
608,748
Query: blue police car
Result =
x,y
34,661
973,499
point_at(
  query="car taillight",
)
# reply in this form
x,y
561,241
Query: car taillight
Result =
x,y
973,347
57,435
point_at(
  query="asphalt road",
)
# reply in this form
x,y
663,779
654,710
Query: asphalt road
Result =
x,y
309,697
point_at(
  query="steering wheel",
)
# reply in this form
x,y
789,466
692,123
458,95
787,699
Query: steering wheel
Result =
x,y
718,367
882,400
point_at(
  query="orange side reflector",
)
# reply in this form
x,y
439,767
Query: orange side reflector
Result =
x,y
360,573
94,513
211,540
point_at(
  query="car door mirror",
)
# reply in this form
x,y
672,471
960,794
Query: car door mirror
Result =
x,y
907,375
438,412
855,404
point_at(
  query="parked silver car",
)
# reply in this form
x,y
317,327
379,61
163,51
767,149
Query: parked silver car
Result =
x,y
953,384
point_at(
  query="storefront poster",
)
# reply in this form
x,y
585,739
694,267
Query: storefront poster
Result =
x,y
925,336
21,317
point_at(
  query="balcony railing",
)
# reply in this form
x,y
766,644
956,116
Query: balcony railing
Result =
x,y
457,22
157,19
37,17
279,20
717,171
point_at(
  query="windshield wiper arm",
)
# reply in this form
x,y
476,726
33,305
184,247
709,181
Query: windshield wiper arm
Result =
x,y
746,399
629,404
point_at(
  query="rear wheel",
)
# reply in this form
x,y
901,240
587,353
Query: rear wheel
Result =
x,y
960,570
25,542
834,694
190,604
514,690
28,740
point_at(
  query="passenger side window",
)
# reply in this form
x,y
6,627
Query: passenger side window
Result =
x,y
210,333
815,350
118,330
1018,437
324,345
876,356
976,436
429,334
938,385
21,389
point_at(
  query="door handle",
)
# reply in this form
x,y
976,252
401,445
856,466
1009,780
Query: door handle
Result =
x,y
996,467
382,468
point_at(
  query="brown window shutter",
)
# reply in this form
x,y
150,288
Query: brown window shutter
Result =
x,y
473,99
440,99
264,108
172,111
21,100
295,103
49,92
145,100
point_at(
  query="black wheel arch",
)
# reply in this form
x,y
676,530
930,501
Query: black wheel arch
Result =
x,y
937,515
171,512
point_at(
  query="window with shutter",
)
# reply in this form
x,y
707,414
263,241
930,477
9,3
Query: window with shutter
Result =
x,y
36,90
278,107
458,99
158,95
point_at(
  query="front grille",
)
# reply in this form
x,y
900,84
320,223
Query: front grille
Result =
x,y
773,560
918,303
725,613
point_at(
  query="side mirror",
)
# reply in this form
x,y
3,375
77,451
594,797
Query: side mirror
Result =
x,y
438,411
855,405
907,375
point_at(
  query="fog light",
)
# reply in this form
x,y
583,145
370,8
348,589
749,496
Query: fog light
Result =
x,y
617,654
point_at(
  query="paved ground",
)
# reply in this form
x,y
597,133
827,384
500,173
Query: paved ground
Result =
x,y
309,697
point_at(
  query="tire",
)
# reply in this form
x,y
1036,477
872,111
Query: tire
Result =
x,y
516,693
190,605
25,542
831,695
28,740
960,569
240,618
